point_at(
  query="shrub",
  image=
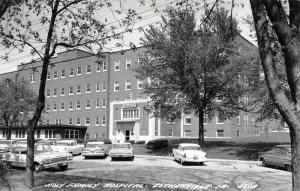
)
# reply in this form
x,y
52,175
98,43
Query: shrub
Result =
x,y
157,144
141,142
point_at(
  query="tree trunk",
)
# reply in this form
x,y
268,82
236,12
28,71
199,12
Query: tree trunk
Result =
x,y
201,127
30,154
8,137
295,143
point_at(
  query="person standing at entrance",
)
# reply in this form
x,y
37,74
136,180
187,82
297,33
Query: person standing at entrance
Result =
x,y
120,137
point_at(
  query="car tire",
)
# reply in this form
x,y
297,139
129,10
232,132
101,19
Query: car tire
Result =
x,y
263,162
112,158
201,163
86,157
289,167
63,167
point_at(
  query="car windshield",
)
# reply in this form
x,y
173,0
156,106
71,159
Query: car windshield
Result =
x,y
42,148
120,146
191,148
63,144
94,145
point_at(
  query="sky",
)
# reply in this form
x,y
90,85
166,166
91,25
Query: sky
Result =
x,y
149,16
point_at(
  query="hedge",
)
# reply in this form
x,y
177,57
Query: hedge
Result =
x,y
165,142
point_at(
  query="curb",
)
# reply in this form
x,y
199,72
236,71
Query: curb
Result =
x,y
208,159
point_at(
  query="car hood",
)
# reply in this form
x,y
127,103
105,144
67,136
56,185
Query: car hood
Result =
x,y
120,150
194,152
52,154
94,149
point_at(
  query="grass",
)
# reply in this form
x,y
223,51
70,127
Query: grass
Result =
x,y
247,148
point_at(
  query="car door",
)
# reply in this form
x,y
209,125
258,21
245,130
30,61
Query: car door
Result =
x,y
270,157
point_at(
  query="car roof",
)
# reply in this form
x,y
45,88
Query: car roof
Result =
x,y
95,142
189,144
288,147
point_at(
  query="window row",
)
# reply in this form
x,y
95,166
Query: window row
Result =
x,y
78,90
128,85
77,105
117,65
86,121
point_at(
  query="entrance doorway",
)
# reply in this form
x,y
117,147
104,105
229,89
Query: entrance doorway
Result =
x,y
127,134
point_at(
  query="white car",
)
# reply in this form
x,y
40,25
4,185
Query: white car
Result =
x,y
121,150
69,146
44,157
94,149
189,152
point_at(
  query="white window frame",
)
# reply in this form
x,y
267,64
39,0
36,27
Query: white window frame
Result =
x,y
55,74
128,64
104,66
63,73
32,78
62,106
133,114
78,89
55,92
88,104
54,107
48,93
78,103
48,76
62,92
88,69
71,105
70,121
104,88
238,120
103,121
97,103
138,83
71,88
187,133
217,120
98,87
116,84
79,71
78,121
188,116
87,121
246,119
88,88
117,66
71,72
103,103
217,135
126,84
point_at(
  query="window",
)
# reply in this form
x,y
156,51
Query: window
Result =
x,y
116,86
103,86
238,120
48,76
63,73
139,84
78,105
88,69
171,133
117,65
246,119
205,132
127,85
71,72
88,88
188,120
38,134
219,119
58,121
71,134
97,87
62,106
50,133
97,103
99,65
87,121
128,64
62,92
4,134
78,90
70,121
187,133
71,90
70,105
48,93
104,66
55,74
88,104
78,70
237,133
97,122
103,121
47,107
78,122
54,107
96,136
130,113
103,103
54,92
32,78
20,133
139,61
220,133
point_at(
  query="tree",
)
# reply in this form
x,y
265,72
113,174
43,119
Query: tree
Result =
x,y
7,4
277,28
16,102
193,70
60,23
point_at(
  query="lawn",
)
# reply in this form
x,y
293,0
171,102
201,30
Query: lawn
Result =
x,y
247,148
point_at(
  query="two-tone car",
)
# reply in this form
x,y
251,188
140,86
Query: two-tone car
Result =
x,y
68,146
94,149
278,156
121,150
44,157
189,152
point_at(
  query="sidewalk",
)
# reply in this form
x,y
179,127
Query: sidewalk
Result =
x,y
208,160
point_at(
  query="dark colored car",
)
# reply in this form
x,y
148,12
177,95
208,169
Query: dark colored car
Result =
x,y
279,156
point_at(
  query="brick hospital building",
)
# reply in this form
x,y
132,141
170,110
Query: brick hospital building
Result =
x,y
103,95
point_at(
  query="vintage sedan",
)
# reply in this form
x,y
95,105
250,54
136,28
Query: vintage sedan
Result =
x,y
69,146
6,145
279,156
121,150
44,157
189,152
94,149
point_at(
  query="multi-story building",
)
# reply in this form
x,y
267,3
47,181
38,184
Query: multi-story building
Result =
x,y
104,95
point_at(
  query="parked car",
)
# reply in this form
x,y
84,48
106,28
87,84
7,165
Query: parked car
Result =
x,y
21,143
121,150
47,141
189,152
94,149
279,156
69,146
6,145
44,157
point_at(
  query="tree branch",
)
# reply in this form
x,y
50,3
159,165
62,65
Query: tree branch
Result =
x,y
67,5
